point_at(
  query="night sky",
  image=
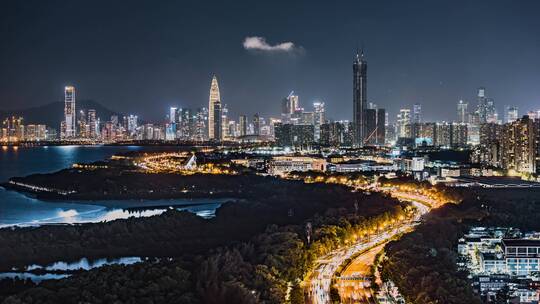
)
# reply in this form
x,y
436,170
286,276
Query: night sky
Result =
x,y
143,56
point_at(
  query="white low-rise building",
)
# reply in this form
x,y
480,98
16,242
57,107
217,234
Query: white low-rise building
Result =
x,y
281,165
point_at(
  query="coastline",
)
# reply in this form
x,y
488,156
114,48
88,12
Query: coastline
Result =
x,y
91,197
125,202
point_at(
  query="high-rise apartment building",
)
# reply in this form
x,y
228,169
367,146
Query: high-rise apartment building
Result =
x,y
425,134
443,133
294,135
337,134
459,135
520,146
488,151
513,146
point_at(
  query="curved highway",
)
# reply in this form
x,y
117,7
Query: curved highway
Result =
x,y
318,288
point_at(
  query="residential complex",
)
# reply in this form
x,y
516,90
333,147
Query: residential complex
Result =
x,y
498,258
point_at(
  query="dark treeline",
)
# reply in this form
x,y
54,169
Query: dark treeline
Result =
x,y
438,192
261,270
126,183
266,201
423,263
253,251
149,282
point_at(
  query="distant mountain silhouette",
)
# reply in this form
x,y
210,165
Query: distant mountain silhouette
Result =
x,y
52,114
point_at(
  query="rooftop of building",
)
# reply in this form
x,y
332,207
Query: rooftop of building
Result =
x,y
490,256
521,243
498,181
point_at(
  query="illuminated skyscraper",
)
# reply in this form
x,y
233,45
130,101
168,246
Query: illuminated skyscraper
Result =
x,y
93,126
462,111
512,114
359,97
132,124
482,105
172,115
381,127
290,107
243,125
491,112
486,108
201,125
13,129
82,123
319,118
225,134
214,98
293,103
256,124
285,106
404,123
68,125
417,113
217,124
370,116
187,124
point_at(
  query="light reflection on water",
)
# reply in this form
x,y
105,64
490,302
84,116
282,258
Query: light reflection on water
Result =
x,y
21,210
95,214
85,264
59,267
32,276
205,210
18,209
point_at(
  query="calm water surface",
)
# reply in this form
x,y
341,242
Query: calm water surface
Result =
x,y
19,209
60,270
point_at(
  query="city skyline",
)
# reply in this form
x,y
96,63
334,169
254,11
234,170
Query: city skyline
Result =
x,y
258,66
185,124
243,152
